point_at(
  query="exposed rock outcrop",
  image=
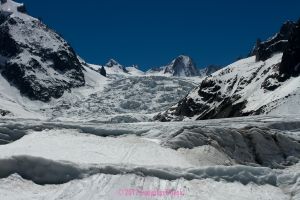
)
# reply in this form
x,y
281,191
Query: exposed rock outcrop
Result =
x,y
39,62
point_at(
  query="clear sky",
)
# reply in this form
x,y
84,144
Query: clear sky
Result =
x,y
152,32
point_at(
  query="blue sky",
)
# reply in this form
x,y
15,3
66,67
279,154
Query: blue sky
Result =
x,y
152,32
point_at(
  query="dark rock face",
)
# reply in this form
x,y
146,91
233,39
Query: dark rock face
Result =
x,y
102,71
185,107
22,9
272,82
204,106
278,43
38,61
4,112
290,65
182,66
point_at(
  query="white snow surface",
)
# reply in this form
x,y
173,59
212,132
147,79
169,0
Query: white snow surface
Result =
x,y
91,160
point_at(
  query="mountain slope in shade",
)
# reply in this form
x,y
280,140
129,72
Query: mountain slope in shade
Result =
x,y
246,87
182,66
34,58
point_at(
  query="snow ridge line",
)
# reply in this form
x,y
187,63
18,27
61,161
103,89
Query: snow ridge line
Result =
x,y
43,171
11,132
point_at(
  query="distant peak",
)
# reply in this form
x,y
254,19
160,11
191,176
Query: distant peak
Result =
x,y
184,56
182,66
112,63
135,66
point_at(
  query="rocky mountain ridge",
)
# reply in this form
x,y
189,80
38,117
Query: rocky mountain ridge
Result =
x,y
249,86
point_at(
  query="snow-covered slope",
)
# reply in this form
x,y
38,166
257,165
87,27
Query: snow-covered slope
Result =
x,y
246,87
134,70
243,88
112,67
34,58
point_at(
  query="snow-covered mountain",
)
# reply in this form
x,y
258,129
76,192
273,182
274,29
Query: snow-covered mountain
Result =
x,y
249,86
37,64
134,70
98,140
276,44
112,67
34,58
182,66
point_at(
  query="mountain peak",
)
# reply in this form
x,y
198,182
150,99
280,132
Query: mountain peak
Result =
x,y
182,56
112,66
112,63
263,50
182,66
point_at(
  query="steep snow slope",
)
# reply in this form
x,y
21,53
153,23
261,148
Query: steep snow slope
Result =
x,y
134,70
35,59
113,67
265,83
17,105
242,88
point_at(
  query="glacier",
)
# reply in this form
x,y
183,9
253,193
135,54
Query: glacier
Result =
x,y
58,158
97,137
